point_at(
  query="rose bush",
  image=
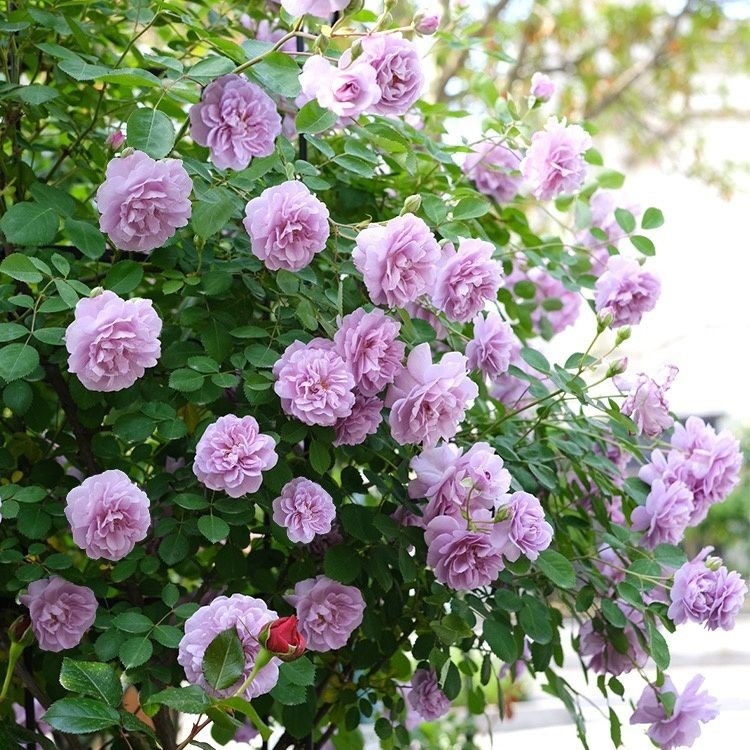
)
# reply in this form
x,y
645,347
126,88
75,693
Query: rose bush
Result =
x,y
283,451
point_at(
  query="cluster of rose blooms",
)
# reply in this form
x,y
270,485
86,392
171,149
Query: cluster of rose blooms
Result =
x,y
473,525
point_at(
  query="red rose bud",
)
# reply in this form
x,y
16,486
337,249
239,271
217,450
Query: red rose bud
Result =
x,y
282,638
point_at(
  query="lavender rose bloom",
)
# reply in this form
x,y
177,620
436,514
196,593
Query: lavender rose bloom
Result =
x,y
319,8
108,514
491,348
346,91
598,649
364,420
287,225
237,120
304,509
232,454
247,616
328,612
60,612
398,70
314,384
143,202
524,531
625,291
646,403
428,401
666,514
682,726
397,260
494,170
367,342
461,558
466,280
426,697
112,341
542,87
554,164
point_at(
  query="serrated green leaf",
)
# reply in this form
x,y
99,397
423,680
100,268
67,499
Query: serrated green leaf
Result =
x,y
30,224
224,660
91,678
80,715
187,700
215,529
151,131
557,568
312,118
17,361
135,651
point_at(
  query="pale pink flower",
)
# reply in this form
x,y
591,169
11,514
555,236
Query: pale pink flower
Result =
x,y
319,8
426,697
491,348
304,509
625,291
346,91
364,420
542,87
493,168
646,403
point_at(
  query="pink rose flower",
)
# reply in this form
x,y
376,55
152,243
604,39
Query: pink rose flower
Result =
x,y
466,280
143,202
314,384
232,454
491,348
319,8
494,170
428,401
462,558
328,612
426,24
347,91
542,87
397,260
364,420
237,120
426,697
666,514
108,514
625,291
60,612
304,509
524,531
646,403
247,615
367,342
398,69
112,341
554,164
115,139
287,225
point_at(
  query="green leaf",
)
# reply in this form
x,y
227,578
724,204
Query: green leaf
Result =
x,y
536,359
613,613
215,529
186,380
557,568
611,180
643,244
86,237
81,70
625,219
342,564
80,716
29,223
320,457
500,639
18,397
91,678
212,212
132,622
167,635
659,648
224,660
12,331
135,651
534,619
211,67
19,267
299,672
278,73
313,118
151,131
471,208
17,361
123,277
287,692
653,218
186,700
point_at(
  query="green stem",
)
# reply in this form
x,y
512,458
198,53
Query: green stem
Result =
x,y
264,657
14,654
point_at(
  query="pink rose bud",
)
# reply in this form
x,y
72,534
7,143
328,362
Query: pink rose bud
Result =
x,y
282,638
542,87
115,139
426,24
246,21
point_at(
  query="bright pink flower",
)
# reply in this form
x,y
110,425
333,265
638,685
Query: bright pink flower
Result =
x,y
491,348
314,384
247,616
367,342
681,726
304,509
108,514
232,454
554,162
426,697
328,612
428,401
142,201
287,225
494,170
112,341
466,280
60,612
237,120
397,260
625,291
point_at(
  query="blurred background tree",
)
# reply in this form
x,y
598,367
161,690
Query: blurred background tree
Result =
x,y
651,72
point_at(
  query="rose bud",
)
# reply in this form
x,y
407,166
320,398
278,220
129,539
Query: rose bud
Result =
x,y
282,638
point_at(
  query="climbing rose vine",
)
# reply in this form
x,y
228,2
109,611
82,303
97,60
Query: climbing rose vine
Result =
x,y
284,456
